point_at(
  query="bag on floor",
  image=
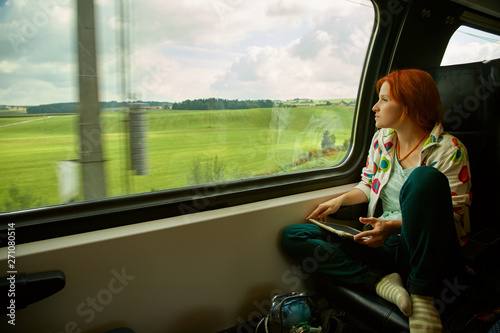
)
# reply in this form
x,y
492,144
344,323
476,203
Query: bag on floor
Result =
x,y
292,313
301,313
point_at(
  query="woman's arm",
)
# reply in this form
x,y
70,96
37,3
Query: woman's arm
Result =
x,y
353,197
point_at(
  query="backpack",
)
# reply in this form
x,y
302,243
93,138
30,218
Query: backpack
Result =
x,y
291,313
301,313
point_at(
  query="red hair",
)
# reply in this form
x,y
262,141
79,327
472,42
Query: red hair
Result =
x,y
417,92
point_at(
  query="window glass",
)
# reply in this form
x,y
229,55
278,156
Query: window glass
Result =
x,y
471,45
190,92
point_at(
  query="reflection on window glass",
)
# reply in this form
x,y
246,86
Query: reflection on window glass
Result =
x,y
191,92
471,45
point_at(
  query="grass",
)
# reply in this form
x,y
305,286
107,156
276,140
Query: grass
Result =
x,y
241,143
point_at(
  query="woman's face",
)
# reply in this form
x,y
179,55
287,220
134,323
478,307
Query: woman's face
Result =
x,y
387,112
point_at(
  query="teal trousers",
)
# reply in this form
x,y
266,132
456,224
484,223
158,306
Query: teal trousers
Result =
x,y
425,254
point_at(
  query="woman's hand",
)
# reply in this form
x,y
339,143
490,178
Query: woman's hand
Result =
x,y
325,209
354,196
382,229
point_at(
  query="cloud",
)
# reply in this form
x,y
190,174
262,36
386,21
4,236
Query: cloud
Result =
x,y
37,52
471,52
320,64
309,46
279,73
7,67
161,78
187,49
237,49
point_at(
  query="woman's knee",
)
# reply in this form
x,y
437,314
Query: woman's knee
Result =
x,y
426,181
426,203
294,234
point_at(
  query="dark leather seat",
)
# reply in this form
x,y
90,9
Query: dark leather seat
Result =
x,y
471,101
365,308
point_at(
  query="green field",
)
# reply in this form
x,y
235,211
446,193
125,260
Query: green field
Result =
x,y
185,148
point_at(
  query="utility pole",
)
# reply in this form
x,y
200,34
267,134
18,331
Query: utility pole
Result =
x,y
91,153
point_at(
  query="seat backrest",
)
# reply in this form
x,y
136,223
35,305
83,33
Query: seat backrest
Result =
x,y
470,94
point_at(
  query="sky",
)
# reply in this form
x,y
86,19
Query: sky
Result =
x,y
471,45
188,49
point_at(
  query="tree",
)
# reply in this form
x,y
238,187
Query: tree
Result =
x,y
327,141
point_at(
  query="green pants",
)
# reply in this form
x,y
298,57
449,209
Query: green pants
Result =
x,y
425,253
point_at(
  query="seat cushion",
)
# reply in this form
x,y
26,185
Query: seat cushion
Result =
x,y
367,308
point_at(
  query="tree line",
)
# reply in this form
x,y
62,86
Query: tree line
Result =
x,y
73,106
221,104
197,104
53,108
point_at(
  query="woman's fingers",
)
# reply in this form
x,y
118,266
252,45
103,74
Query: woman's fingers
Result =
x,y
319,213
368,220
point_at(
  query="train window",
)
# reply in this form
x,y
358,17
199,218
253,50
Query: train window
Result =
x,y
471,45
190,92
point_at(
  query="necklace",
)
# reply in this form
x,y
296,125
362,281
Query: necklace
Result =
x,y
411,151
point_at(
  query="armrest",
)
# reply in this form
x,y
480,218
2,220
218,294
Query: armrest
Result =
x,y
24,289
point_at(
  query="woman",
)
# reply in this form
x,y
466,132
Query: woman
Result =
x,y
421,176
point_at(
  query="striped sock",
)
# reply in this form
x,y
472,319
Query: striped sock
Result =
x,y
391,288
425,318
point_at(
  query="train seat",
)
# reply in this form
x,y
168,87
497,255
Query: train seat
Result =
x,y
471,102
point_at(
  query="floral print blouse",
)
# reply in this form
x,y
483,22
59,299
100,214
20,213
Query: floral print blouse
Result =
x,y
441,150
